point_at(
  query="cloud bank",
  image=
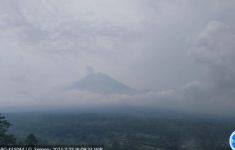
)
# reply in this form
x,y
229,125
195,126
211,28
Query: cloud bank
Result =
x,y
183,51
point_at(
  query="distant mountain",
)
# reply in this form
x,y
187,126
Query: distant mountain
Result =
x,y
102,83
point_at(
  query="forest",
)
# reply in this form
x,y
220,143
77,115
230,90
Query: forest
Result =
x,y
117,131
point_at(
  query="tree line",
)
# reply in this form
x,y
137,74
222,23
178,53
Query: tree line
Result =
x,y
9,139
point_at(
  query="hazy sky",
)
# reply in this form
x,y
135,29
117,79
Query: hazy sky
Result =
x,y
182,50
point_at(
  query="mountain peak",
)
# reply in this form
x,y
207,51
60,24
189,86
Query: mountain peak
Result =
x,y
102,83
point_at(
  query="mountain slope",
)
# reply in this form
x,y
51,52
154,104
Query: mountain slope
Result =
x,y
102,83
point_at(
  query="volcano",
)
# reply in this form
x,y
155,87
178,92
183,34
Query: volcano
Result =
x,y
103,84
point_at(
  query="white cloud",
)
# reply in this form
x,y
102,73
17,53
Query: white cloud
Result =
x,y
46,44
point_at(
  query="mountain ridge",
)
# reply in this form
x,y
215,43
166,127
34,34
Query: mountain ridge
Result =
x,y
102,83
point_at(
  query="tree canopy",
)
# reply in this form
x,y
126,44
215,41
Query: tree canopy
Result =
x,y
5,138
31,140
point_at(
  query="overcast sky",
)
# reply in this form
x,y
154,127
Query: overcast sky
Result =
x,y
181,50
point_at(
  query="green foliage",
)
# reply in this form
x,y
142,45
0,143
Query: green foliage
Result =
x,y
125,131
31,140
5,139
